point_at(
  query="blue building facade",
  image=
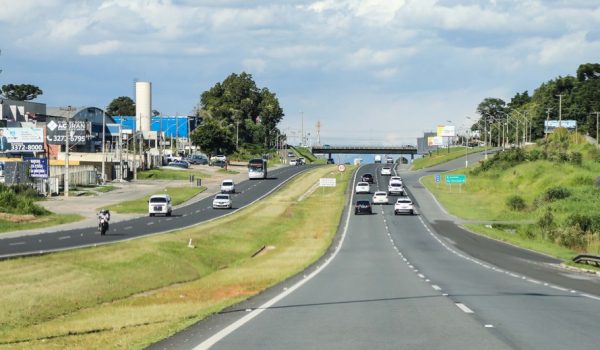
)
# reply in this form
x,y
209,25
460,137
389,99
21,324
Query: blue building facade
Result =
x,y
172,126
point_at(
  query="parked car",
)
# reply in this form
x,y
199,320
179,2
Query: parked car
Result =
x,y
367,178
179,164
222,201
404,205
363,187
197,159
386,171
395,188
362,207
227,186
160,204
219,163
380,197
219,157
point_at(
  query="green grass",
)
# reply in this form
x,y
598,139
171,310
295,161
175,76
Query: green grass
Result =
x,y
304,152
232,172
140,205
170,174
442,155
131,294
38,222
106,188
486,193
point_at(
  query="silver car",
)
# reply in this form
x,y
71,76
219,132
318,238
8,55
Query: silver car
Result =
x,y
222,201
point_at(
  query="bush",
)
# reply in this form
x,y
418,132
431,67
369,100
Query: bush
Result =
x,y
576,158
581,221
515,202
572,237
556,193
546,223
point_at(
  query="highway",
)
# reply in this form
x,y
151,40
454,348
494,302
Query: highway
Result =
x,y
247,192
412,282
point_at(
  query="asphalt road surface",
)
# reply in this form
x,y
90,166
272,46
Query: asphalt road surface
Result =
x,y
412,282
247,192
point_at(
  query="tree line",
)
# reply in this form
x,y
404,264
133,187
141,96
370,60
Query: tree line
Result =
x,y
568,98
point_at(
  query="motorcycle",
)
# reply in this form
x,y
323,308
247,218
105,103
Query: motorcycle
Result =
x,y
103,226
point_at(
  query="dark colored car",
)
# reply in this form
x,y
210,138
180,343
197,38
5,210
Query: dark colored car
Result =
x,y
197,159
363,207
219,163
367,178
179,164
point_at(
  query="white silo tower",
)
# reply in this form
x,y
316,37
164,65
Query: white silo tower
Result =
x,y
143,106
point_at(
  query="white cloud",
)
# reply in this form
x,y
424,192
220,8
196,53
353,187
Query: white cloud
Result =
x,y
101,48
254,65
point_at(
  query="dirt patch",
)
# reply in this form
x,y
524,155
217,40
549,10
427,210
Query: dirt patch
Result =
x,y
17,217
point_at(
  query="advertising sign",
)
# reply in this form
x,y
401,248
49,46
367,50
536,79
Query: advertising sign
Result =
x,y
327,182
21,139
38,167
550,125
435,141
56,132
446,130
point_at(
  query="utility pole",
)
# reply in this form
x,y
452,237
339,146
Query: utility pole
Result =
x,y
597,114
69,109
318,132
560,110
103,145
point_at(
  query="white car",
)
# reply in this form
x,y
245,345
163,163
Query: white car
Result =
x,y
395,178
395,188
380,197
219,157
404,205
389,160
363,187
293,162
160,204
227,186
386,170
222,201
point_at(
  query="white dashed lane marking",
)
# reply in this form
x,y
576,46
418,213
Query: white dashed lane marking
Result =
x,y
64,237
464,308
17,243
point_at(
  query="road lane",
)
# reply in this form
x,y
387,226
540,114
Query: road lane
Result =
x,y
248,192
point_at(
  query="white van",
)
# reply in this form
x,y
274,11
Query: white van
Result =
x,y
160,204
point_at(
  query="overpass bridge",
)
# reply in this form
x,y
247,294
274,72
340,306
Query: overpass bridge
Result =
x,y
404,150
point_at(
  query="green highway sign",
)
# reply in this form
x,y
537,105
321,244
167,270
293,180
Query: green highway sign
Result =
x,y
456,179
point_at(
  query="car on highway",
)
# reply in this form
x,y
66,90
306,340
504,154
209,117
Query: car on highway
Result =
x,y
389,160
396,178
395,188
330,161
290,154
179,164
301,160
222,201
160,204
363,207
363,187
227,186
293,162
404,205
367,178
380,197
386,171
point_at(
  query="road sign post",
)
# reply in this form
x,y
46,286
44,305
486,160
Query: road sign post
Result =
x,y
456,179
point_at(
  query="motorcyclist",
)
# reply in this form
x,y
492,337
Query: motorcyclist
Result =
x,y
103,214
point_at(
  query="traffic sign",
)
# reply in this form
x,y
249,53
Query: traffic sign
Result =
x,y
327,182
341,168
438,178
456,179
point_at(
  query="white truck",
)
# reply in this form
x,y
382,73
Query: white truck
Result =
x,y
160,204
377,158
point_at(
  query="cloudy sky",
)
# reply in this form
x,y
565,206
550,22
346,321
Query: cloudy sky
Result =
x,y
371,71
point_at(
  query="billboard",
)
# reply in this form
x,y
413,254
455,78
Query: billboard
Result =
x,y
56,131
550,125
446,130
21,139
38,167
435,141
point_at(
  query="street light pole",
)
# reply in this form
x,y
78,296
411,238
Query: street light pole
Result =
x,y
103,147
69,109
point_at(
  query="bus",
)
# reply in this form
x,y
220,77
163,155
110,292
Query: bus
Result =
x,y
257,168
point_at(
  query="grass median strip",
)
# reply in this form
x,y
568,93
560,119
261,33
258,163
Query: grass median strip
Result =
x,y
132,294
178,195
170,174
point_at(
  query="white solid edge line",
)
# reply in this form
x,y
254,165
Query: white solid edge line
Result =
x,y
215,338
464,308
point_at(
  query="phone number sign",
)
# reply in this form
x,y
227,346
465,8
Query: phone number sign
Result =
x,y
56,132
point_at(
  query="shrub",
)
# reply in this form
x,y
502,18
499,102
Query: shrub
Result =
x,y
581,221
572,237
515,202
528,232
546,223
556,193
576,158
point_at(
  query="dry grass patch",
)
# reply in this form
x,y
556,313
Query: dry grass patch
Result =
x,y
132,294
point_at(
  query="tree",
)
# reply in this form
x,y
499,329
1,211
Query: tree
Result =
x,y
238,100
212,138
122,106
22,92
588,71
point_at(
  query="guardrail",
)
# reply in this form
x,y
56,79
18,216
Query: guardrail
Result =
x,y
587,258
